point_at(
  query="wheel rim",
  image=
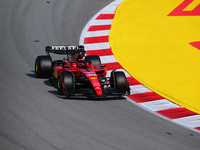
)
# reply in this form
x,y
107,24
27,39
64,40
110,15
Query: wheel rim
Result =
x,y
59,84
36,67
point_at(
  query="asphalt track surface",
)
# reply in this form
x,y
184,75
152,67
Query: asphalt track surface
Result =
x,y
33,116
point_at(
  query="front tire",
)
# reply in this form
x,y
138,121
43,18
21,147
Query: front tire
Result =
x,y
118,81
65,83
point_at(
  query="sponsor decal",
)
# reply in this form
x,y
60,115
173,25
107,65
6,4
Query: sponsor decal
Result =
x,y
187,8
56,73
91,74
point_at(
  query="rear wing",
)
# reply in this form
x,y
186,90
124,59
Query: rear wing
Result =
x,y
65,49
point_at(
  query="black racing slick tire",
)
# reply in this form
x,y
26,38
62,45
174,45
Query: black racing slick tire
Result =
x,y
43,66
118,81
65,83
96,61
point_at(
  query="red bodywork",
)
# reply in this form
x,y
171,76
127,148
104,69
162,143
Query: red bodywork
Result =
x,y
80,69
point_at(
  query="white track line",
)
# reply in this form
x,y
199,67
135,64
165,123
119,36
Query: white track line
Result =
x,y
158,105
96,46
97,33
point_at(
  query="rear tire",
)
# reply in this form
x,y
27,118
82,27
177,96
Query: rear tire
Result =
x,y
65,83
96,61
43,67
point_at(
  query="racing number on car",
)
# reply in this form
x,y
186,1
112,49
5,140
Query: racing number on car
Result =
x,y
188,8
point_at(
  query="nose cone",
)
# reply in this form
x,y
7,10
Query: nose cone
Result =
x,y
99,91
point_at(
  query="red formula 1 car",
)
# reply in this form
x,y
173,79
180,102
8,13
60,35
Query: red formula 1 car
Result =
x,y
78,74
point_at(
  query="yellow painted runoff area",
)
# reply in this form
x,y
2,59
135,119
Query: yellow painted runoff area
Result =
x,y
154,47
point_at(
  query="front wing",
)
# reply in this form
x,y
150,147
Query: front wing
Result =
x,y
91,92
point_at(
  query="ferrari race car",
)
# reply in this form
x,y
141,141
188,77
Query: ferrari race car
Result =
x,y
78,74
